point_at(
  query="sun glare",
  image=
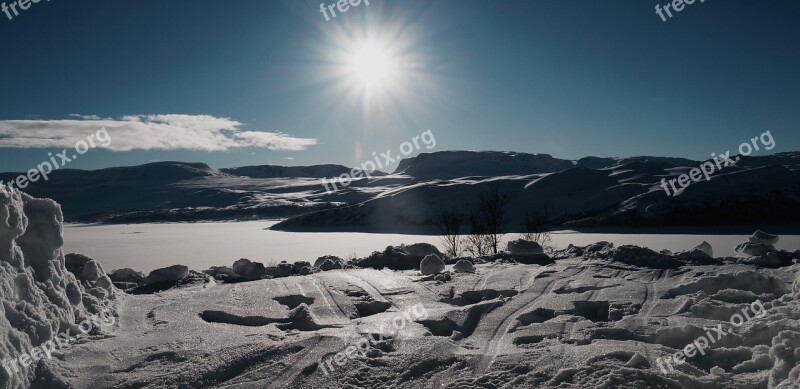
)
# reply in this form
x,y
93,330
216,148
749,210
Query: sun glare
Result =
x,y
376,65
372,65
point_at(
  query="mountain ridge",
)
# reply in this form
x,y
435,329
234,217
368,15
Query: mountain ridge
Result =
x,y
591,191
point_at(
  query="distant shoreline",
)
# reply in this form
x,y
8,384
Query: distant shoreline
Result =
x,y
149,246
745,229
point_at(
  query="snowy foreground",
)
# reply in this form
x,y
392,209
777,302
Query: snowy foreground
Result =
x,y
595,316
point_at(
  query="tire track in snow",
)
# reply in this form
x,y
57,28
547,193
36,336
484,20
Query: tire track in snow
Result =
x,y
492,346
367,286
651,293
327,298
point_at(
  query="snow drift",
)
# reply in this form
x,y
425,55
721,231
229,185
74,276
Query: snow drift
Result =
x,y
40,298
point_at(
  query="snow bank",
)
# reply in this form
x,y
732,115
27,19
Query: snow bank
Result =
x,y
40,298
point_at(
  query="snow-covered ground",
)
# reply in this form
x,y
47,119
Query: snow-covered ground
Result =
x,y
577,323
595,316
145,247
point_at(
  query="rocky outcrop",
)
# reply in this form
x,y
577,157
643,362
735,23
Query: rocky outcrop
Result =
x,y
215,271
170,274
249,270
524,247
334,262
283,269
421,249
127,275
643,257
394,258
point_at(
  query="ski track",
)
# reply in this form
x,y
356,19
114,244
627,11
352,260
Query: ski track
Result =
x,y
492,346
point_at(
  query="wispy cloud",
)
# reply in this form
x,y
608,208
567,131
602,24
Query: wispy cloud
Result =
x,y
146,132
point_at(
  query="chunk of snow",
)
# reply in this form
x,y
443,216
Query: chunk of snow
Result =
x,y
763,237
754,249
92,271
464,266
431,264
706,248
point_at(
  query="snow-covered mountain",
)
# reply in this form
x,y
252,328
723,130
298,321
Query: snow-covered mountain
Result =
x,y
446,165
272,171
591,191
173,191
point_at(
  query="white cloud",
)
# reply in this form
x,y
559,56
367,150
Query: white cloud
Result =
x,y
146,132
85,117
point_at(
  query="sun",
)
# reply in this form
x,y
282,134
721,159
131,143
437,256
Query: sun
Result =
x,y
372,65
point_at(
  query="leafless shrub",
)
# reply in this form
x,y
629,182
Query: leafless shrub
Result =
x,y
477,242
488,224
535,228
492,204
450,229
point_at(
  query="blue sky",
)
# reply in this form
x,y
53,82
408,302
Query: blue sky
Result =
x,y
201,80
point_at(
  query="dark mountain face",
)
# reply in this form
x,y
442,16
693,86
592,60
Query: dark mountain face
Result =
x,y
590,191
456,164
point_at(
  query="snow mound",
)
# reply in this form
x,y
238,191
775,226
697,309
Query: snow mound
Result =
x,y
40,298
706,248
754,249
431,264
759,250
763,237
464,266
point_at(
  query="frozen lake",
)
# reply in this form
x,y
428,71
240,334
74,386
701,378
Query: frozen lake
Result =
x,y
146,247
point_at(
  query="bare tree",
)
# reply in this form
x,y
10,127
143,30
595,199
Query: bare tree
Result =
x,y
450,228
476,242
492,204
535,227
